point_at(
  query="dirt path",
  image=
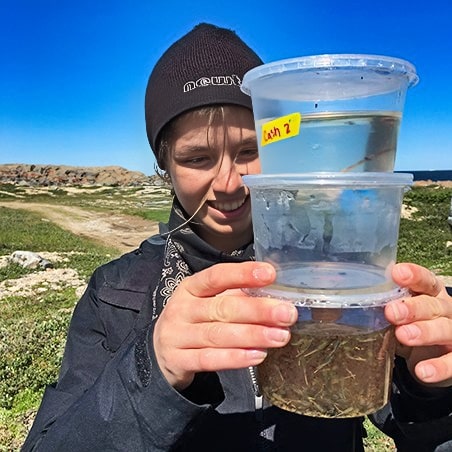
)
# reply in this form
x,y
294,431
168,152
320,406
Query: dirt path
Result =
x,y
124,232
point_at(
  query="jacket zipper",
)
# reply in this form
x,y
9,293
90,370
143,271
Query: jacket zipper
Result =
x,y
263,443
258,399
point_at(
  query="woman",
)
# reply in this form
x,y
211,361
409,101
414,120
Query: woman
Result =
x,y
161,347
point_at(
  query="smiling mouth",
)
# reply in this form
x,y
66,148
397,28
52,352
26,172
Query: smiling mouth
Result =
x,y
227,206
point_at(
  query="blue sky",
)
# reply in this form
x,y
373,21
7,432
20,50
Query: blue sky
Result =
x,y
73,73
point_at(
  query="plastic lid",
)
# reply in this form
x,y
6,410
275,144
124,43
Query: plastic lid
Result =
x,y
355,180
357,74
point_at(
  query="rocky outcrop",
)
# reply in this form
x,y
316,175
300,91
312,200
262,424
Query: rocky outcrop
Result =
x,y
48,175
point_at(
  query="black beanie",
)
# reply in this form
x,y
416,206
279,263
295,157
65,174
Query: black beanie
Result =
x,y
204,67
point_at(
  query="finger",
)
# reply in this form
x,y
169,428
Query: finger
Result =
x,y
425,333
225,335
242,309
418,279
436,370
219,277
213,360
418,308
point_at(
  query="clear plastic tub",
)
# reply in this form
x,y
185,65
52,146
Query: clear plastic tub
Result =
x,y
332,238
329,112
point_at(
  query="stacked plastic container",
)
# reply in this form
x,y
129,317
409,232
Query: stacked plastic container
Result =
x,y
326,213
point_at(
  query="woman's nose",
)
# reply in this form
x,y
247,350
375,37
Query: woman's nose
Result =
x,y
229,177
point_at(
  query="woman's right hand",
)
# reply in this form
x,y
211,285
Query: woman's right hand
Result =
x,y
206,326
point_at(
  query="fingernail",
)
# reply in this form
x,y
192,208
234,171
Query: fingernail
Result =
x,y
286,313
403,272
256,355
434,280
412,331
278,335
426,371
263,273
399,310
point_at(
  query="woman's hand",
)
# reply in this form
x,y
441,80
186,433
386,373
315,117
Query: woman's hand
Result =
x,y
207,327
423,324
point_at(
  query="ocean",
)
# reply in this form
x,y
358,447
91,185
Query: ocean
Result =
x,y
433,175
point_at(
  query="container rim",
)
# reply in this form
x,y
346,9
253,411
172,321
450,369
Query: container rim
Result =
x,y
377,63
328,301
345,179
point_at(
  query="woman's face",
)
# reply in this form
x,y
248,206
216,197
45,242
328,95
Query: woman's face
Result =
x,y
206,165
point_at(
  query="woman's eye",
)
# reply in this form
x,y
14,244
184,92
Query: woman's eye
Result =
x,y
196,160
248,154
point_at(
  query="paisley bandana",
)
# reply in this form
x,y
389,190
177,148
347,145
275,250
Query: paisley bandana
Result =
x,y
185,254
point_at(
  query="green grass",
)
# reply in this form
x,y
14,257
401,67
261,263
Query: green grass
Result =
x,y
23,230
376,441
149,203
423,238
33,329
32,333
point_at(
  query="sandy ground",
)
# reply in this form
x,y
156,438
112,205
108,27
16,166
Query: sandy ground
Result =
x,y
124,232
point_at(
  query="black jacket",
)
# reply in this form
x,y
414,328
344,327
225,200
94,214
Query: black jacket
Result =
x,y
111,396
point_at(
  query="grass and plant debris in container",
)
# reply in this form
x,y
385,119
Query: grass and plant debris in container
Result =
x,y
330,370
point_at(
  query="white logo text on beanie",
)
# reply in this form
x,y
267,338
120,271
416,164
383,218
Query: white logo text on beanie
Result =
x,y
214,80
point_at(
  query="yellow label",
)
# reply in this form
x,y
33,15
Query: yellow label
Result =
x,y
280,128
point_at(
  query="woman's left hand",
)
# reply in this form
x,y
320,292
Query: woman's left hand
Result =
x,y
423,325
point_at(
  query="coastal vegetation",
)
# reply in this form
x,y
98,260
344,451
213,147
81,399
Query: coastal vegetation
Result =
x,y
33,322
